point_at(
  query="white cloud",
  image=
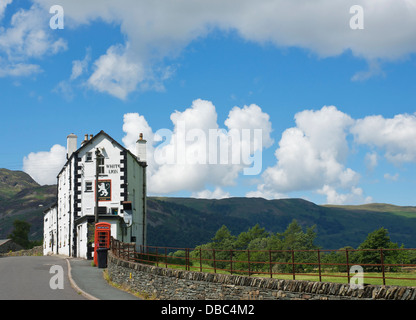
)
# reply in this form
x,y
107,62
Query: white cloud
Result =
x,y
218,193
390,177
18,69
371,160
44,166
155,30
311,156
354,197
80,66
115,73
197,152
27,37
395,136
374,69
3,5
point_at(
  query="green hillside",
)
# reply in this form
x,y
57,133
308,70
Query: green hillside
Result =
x,y
186,222
24,199
12,182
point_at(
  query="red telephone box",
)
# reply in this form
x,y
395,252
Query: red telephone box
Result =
x,y
101,238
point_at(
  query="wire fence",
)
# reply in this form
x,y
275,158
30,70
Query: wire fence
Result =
x,y
340,265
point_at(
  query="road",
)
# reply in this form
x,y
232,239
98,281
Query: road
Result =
x,y
29,278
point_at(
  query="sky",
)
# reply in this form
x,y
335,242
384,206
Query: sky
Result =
x,y
238,98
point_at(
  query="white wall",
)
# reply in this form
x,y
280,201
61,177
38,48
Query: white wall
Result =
x,y
67,189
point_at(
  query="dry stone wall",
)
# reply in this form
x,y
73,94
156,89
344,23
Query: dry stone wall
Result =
x,y
173,284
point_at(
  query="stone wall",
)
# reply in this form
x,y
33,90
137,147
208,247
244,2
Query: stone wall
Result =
x,y
173,284
35,251
8,245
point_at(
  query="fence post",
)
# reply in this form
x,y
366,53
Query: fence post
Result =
x,y
147,254
188,267
293,264
231,261
319,265
157,257
166,258
348,265
248,260
200,259
382,266
270,263
215,265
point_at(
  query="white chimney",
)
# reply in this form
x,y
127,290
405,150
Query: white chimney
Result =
x,y
71,145
141,148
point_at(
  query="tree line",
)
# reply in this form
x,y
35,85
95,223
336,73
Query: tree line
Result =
x,y
293,245
20,235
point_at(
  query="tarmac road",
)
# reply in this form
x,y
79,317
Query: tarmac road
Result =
x,y
28,278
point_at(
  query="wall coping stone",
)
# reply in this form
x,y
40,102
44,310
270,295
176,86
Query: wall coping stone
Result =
x,y
306,288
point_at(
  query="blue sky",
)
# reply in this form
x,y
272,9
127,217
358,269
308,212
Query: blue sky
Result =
x,y
336,106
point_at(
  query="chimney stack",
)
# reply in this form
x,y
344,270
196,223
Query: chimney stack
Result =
x,y
71,145
85,139
141,148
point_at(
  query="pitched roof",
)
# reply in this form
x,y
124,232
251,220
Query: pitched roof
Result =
x,y
83,145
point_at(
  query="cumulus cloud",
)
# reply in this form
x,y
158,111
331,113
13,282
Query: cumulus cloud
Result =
x,y
217,193
197,152
312,156
395,136
115,73
155,30
355,196
44,166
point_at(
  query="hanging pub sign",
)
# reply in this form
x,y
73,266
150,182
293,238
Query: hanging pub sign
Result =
x,y
104,190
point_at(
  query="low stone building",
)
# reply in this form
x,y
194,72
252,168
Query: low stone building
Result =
x,y
7,245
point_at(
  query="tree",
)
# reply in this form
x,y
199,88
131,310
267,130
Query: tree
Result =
x,y
244,238
295,239
20,233
223,239
378,239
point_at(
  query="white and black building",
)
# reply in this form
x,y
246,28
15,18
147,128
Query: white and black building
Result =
x,y
101,181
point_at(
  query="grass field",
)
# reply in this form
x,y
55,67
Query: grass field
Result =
x,y
374,278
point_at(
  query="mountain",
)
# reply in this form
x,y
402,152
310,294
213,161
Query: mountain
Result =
x,y
24,199
12,182
188,222
184,222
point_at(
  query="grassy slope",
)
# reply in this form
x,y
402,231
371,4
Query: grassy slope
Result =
x,y
24,199
189,222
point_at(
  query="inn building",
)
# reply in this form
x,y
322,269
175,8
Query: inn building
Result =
x,y
101,181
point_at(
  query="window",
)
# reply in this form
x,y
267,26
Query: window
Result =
x,y
88,157
88,186
100,165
